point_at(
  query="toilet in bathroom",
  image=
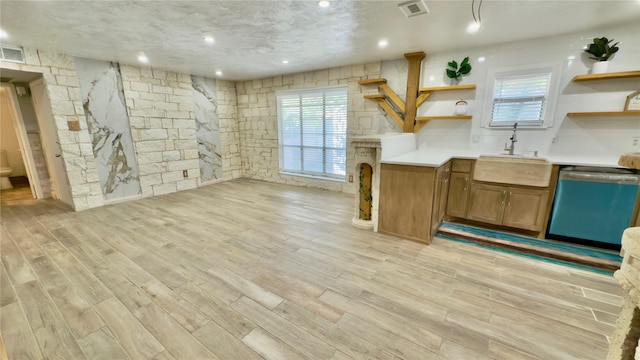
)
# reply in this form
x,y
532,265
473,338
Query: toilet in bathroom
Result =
x,y
5,171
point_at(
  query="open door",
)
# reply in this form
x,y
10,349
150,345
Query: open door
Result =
x,y
50,142
8,93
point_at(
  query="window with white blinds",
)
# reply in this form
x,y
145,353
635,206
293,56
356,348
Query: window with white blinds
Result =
x,y
520,98
312,128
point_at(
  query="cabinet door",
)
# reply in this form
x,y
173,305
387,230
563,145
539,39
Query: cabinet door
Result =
x,y
440,197
444,193
525,208
406,201
458,195
486,203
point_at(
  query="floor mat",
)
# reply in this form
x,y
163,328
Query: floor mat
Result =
x,y
576,256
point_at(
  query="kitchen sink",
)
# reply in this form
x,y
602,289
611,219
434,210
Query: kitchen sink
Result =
x,y
510,169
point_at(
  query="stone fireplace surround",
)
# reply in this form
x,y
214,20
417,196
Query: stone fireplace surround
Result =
x,y
372,150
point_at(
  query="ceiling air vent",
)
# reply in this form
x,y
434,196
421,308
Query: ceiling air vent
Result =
x,y
413,8
11,53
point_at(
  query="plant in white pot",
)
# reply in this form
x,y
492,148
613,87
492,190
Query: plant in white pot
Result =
x,y
601,51
455,73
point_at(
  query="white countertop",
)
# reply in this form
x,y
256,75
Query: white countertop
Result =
x,y
438,156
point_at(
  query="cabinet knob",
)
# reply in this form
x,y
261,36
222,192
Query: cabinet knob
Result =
x,y
504,196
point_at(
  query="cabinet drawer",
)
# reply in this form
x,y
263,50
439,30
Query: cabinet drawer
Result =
x,y
461,165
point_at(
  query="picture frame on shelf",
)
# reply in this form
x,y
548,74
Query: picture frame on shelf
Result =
x,y
633,102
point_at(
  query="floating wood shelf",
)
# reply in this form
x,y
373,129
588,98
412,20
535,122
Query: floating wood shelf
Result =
x,y
448,88
372,81
603,113
421,121
445,117
404,113
614,75
374,96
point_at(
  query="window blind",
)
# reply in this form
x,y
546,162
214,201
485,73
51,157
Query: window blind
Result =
x,y
520,98
313,132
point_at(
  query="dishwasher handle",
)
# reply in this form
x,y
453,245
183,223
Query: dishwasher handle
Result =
x,y
600,177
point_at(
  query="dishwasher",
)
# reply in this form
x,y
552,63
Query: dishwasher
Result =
x,y
594,204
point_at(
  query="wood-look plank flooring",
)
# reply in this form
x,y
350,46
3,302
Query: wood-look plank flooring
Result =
x,y
249,270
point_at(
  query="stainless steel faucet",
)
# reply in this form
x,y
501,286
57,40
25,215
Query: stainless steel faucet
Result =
x,y
513,139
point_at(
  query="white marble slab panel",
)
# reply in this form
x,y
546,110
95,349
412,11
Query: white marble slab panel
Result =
x,y
108,123
208,128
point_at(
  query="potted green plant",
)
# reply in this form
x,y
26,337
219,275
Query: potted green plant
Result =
x,y
601,50
455,73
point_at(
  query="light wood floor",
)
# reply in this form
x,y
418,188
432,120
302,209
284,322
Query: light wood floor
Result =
x,y
249,270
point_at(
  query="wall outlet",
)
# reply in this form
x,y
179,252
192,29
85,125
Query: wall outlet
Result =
x,y
185,173
350,178
635,140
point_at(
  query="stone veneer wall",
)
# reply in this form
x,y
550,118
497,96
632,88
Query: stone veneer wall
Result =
x,y
62,86
258,124
163,126
227,109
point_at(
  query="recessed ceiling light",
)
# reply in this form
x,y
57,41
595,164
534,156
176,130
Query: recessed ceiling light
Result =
x,y
208,38
218,72
481,59
143,58
473,27
324,3
285,61
3,34
383,43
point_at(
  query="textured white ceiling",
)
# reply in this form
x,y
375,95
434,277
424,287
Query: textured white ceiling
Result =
x,y
253,37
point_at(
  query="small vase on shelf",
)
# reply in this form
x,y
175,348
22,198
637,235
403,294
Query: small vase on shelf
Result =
x,y
455,81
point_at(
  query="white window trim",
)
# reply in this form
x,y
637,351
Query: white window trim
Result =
x,y
551,100
337,178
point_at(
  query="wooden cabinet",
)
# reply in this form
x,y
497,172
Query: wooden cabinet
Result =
x,y
412,200
525,208
486,203
459,186
458,194
441,191
512,206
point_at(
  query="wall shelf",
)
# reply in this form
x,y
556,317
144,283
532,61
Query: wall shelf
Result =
x,y
614,75
448,88
397,109
603,113
445,117
421,121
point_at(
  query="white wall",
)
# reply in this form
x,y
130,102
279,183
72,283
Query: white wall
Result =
x,y
9,139
603,136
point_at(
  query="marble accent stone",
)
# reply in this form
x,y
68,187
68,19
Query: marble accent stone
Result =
x,y
108,124
208,128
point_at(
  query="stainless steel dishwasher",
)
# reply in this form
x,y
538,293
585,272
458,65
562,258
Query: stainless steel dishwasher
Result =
x,y
594,204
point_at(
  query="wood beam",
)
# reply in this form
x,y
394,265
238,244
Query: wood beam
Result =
x,y
419,125
389,110
422,98
395,99
413,79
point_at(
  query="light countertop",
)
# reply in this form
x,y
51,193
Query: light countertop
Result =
x,y
438,156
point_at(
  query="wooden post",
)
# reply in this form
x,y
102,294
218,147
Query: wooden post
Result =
x,y
413,80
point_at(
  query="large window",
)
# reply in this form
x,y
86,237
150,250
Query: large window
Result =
x,y
522,96
313,132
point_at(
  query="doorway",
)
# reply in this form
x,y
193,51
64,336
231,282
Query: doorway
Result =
x,y
29,110
16,154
